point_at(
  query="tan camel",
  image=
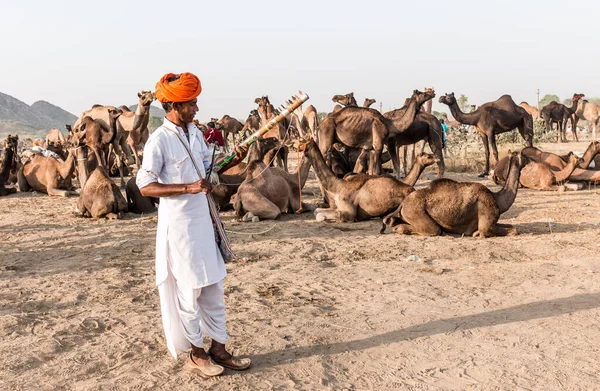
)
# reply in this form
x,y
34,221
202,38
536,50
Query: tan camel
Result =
x,y
266,192
54,136
360,197
136,202
229,126
134,126
48,175
460,208
368,129
310,120
347,100
589,112
532,110
491,119
557,164
538,175
257,151
9,157
100,197
97,138
252,124
267,112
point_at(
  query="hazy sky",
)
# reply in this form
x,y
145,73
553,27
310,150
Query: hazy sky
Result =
x,y
78,53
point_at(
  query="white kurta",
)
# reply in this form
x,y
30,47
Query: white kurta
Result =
x,y
187,255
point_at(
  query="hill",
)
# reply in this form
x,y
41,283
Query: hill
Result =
x,y
154,111
60,116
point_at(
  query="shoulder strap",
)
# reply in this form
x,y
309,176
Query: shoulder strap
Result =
x,y
188,151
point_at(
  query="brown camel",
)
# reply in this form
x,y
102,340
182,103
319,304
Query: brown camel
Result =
x,y
360,197
368,102
558,113
589,112
100,197
532,110
266,192
346,100
97,138
9,156
55,136
252,124
538,175
136,202
310,120
229,126
368,129
424,127
558,164
460,208
48,175
134,126
493,118
257,151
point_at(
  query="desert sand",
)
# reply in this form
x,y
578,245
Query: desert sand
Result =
x,y
325,306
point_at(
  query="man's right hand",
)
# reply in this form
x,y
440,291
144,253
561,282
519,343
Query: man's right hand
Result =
x,y
202,185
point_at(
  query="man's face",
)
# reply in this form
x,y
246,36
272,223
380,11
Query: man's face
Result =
x,y
187,110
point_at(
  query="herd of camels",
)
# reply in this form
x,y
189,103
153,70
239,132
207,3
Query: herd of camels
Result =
x,y
346,151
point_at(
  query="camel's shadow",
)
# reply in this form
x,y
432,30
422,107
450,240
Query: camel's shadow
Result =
x,y
519,313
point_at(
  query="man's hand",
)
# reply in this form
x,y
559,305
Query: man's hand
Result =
x,y
202,185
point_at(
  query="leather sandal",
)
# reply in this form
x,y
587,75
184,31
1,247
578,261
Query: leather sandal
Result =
x,y
237,364
206,367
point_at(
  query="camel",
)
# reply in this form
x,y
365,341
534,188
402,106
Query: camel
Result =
x,y
100,197
55,136
367,128
424,127
96,137
101,114
10,155
257,151
532,110
467,208
252,124
136,202
589,112
493,118
346,100
48,175
229,126
557,164
267,112
134,126
310,120
358,196
560,114
266,192
538,175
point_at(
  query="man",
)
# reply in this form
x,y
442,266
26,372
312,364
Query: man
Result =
x,y
213,135
189,264
444,134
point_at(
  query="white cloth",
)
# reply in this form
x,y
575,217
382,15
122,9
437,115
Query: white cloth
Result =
x,y
187,256
185,238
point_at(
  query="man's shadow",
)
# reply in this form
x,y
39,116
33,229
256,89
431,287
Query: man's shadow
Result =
x,y
520,313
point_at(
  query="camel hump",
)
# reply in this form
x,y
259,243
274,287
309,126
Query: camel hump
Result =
x,y
125,109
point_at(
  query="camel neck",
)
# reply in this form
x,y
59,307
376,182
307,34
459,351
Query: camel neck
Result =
x,y
6,164
589,155
82,169
564,174
326,177
414,174
404,122
506,196
304,170
67,168
464,118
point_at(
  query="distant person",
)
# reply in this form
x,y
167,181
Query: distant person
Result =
x,y
444,134
213,135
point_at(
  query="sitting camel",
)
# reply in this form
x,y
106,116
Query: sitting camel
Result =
x,y
538,175
557,164
136,202
257,151
360,196
54,136
10,155
100,197
48,175
267,192
460,208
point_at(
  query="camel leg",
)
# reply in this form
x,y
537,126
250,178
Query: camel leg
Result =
x,y
393,150
375,161
574,130
486,150
486,222
418,221
52,191
225,141
436,148
365,156
323,214
116,148
504,230
136,156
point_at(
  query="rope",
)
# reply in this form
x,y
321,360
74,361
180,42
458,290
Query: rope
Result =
x,y
246,233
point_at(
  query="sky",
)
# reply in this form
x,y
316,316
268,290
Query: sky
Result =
x,y
78,53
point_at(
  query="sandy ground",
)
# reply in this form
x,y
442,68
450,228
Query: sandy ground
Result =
x,y
316,305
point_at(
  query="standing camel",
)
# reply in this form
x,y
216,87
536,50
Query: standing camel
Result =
x,y
532,110
589,112
134,126
558,113
492,118
229,126
10,155
367,128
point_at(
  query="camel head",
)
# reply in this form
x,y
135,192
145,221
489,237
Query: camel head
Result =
x,y
448,99
344,100
577,97
423,97
146,97
369,102
520,159
12,142
262,101
254,113
426,159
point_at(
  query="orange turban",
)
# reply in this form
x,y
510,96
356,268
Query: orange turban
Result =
x,y
186,88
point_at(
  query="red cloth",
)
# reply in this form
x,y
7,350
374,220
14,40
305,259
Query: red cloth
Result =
x,y
213,135
186,88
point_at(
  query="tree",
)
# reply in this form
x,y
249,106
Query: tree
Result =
x,y
547,99
463,103
322,116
